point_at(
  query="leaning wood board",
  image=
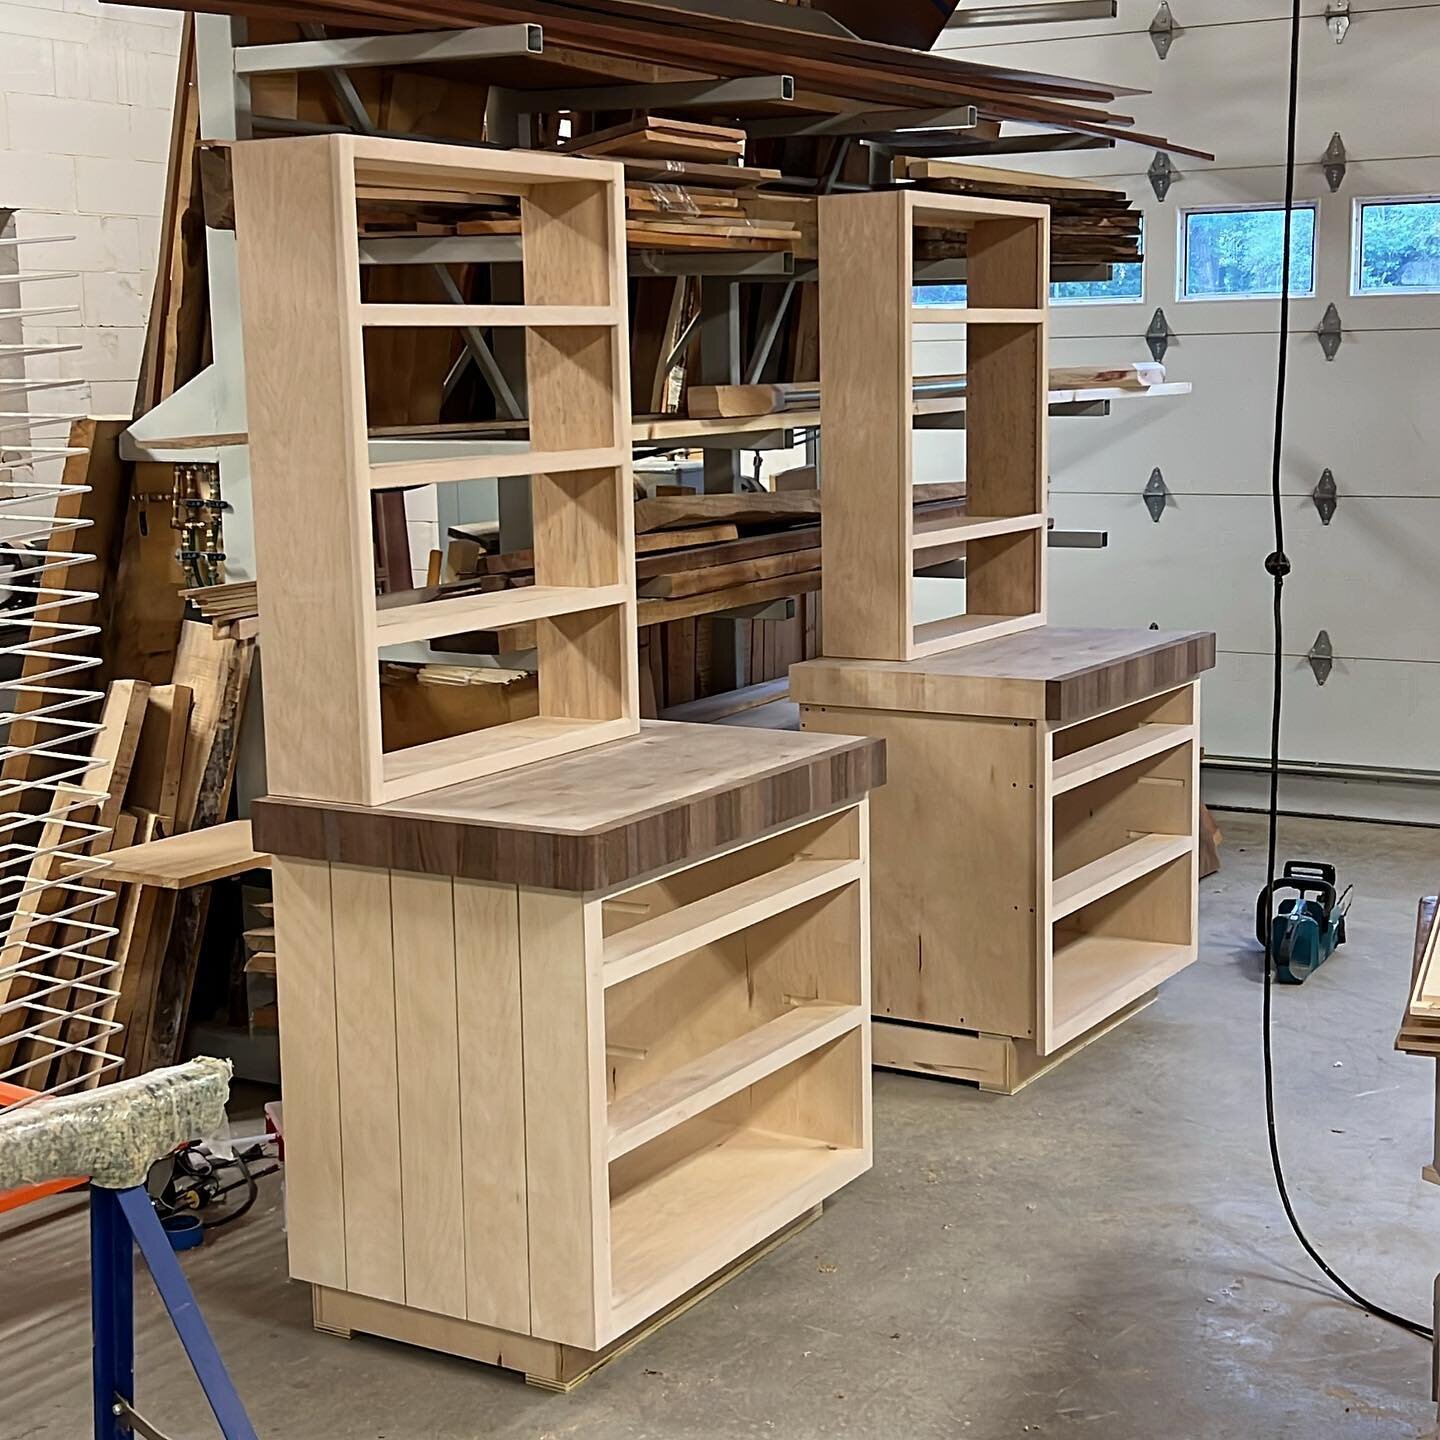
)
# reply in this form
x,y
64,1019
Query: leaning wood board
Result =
x,y
1065,889
561,1047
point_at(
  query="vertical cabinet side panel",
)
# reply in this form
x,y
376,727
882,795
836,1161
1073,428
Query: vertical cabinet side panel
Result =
x,y
562,1005
369,1086
428,1069
865,403
1007,414
305,982
492,1122
304,384
579,396
1044,879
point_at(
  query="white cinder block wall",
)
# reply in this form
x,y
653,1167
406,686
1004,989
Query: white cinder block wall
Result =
x,y
85,97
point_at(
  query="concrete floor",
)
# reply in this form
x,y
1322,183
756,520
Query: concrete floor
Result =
x,y
1101,1255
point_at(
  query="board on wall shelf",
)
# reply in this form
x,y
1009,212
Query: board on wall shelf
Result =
x,y
304,321
870,544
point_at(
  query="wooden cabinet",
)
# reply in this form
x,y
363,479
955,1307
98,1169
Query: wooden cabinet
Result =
x,y
560,1046
307,331
870,543
1036,842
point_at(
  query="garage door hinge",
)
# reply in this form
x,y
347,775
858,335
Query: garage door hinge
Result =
x,y
1163,29
1329,333
1325,495
1337,17
1156,494
1333,162
1321,657
1161,174
1158,335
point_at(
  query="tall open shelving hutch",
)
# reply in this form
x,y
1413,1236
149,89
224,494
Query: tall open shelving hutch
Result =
x,y
575,1009
1036,843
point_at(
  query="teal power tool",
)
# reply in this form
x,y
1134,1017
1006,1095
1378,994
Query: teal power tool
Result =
x,y
1310,926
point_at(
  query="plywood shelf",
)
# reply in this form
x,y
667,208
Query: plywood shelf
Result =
x,y
433,766
495,610
401,474
934,534
1071,771
1096,975
676,1227
937,635
677,932
691,1089
1102,877
532,317
974,315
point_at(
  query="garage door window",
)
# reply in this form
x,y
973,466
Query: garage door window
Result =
x,y
1126,284
1237,254
1397,246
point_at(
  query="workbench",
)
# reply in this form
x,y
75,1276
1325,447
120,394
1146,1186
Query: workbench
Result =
x,y
1036,843
562,1045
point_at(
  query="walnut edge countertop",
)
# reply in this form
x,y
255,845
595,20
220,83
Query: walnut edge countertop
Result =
x,y
1055,674
593,820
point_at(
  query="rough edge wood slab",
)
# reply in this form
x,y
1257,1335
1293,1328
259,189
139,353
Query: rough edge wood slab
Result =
x,y
593,820
1048,673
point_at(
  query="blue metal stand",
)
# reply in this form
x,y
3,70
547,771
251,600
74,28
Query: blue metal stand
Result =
x,y
118,1217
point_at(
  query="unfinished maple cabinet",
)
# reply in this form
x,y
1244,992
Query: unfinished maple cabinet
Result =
x,y
562,1045
1036,842
870,543
322,628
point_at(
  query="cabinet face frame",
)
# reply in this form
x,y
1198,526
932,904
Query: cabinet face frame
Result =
x,y
869,543
304,322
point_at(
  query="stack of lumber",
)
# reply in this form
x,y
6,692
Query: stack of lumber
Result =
x,y
836,66
1420,1027
232,610
1089,224
657,137
169,753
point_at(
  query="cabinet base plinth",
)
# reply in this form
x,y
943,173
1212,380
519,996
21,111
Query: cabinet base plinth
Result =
x,y
1001,1064
544,1363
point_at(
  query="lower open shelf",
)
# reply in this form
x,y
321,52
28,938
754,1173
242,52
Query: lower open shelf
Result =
x,y
671,1229
1096,975
1086,884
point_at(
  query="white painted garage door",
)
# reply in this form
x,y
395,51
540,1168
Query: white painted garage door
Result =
x,y
1371,578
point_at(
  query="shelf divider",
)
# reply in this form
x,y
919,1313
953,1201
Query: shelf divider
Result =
x,y
398,474
677,932
974,315
1088,883
933,534
441,314
1070,771
491,610
685,1092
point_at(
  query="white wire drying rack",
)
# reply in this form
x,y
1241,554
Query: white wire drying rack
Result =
x,y
56,1007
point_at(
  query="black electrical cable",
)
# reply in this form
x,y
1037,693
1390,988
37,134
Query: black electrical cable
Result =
x,y
1277,565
